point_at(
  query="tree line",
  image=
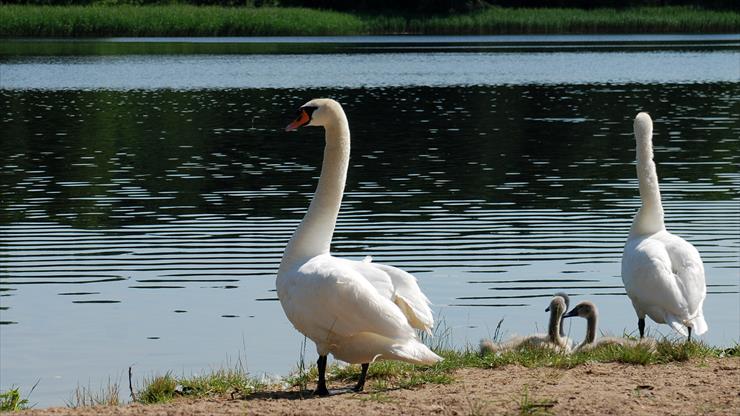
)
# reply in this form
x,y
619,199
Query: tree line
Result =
x,y
418,7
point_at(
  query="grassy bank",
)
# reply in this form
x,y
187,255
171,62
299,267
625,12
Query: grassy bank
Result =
x,y
387,375
185,20
536,367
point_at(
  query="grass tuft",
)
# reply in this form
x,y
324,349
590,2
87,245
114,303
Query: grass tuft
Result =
x,y
11,401
159,389
85,396
528,406
233,383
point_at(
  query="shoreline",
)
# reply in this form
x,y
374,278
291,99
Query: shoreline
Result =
x,y
232,387
187,20
698,386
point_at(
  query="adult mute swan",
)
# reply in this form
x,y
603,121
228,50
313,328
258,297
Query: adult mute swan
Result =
x,y
552,339
357,310
662,273
589,311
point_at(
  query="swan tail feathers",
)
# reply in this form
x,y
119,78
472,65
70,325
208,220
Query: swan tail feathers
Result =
x,y
677,325
414,352
698,324
419,318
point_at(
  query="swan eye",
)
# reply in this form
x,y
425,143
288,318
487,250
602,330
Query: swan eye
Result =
x,y
309,110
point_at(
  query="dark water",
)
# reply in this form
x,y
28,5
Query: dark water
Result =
x,y
144,226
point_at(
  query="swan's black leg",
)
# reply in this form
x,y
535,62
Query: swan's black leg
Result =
x,y
361,382
641,327
689,334
321,389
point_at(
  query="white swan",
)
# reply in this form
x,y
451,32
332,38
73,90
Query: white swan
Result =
x,y
550,340
589,311
662,273
357,310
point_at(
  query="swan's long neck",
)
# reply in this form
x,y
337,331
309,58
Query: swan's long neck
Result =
x,y
649,218
313,235
591,324
553,329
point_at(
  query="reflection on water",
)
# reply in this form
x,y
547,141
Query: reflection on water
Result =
x,y
367,70
363,44
145,227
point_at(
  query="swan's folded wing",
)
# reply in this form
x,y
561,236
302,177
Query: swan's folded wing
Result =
x,y
688,268
346,303
409,297
653,285
380,280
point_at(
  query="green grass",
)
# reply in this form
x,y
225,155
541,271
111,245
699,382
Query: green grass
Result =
x,y
234,383
11,401
529,406
187,20
388,375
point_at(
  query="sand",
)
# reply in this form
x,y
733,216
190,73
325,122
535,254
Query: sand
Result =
x,y
710,386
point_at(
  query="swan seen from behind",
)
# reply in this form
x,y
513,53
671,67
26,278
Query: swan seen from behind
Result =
x,y
359,311
663,274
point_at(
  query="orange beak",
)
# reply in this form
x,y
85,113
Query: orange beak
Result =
x,y
301,121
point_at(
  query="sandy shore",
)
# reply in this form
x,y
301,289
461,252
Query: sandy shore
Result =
x,y
710,386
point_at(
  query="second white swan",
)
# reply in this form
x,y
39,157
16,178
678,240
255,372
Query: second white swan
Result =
x,y
663,274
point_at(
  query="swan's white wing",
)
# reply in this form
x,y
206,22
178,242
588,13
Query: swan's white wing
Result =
x,y
399,287
410,298
377,277
688,269
651,284
329,297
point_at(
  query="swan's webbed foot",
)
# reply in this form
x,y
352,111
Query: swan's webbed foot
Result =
x,y
321,391
361,382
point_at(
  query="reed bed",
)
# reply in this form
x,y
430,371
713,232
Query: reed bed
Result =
x,y
187,20
174,20
635,20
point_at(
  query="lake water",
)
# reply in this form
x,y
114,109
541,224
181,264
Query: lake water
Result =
x,y
148,188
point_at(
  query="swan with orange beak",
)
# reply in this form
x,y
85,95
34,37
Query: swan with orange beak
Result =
x,y
358,311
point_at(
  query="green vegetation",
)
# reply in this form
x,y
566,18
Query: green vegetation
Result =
x,y
222,382
10,401
387,375
383,375
86,396
189,20
530,406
